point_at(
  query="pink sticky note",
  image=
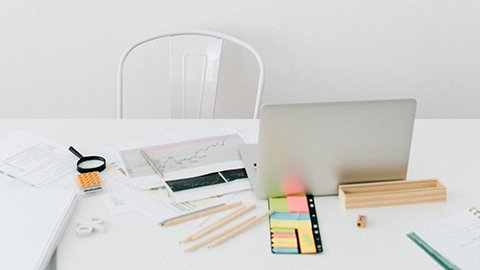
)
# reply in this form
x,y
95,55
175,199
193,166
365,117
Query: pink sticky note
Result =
x,y
293,184
297,204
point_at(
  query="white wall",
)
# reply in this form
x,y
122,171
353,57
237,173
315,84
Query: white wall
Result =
x,y
59,58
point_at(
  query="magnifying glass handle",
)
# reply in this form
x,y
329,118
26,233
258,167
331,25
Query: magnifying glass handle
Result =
x,y
75,152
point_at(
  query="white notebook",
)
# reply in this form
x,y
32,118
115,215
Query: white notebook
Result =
x,y
453,242
32,222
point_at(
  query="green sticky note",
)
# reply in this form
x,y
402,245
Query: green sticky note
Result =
x,y
278,204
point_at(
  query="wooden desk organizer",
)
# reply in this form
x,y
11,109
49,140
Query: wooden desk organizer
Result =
x,y
392,193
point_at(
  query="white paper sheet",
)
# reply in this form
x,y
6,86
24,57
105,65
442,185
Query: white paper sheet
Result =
x,y
120,198
457,238
206,192
32,224
181,156
34,161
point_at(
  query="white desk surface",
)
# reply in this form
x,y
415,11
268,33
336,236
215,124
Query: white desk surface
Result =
x,y
447,149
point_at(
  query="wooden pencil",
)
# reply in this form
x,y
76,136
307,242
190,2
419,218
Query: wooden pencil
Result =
x,y
217,224
200,214
239,229
217,236
191,236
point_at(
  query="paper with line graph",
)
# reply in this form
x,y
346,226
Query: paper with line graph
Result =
x,y
183,159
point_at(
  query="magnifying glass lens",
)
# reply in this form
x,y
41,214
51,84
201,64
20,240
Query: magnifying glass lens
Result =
x,y
90,164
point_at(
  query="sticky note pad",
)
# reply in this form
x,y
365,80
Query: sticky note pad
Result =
x,y
278,204
294,225
297,204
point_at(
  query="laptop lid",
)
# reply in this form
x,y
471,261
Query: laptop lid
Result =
x,y
315,147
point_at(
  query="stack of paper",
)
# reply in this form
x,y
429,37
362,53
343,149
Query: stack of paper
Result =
x,y
32,224
197,170
194,161
454,242
31,161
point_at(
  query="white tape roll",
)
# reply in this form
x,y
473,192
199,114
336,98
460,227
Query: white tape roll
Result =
x,y
98,225
99,228
84,230
80,223
96,220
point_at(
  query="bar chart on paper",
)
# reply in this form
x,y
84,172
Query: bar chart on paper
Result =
x,y
183,155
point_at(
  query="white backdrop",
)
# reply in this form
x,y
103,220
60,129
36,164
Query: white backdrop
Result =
x,y
58,59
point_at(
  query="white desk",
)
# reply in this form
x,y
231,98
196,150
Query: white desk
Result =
x,y
448,149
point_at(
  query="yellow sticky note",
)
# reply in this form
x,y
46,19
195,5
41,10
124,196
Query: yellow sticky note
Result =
x,y
281,223
284,240
284,245
305,238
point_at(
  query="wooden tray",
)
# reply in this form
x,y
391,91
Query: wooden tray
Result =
x,y
392,193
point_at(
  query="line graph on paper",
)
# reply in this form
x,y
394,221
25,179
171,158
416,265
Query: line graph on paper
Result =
x,y
183,155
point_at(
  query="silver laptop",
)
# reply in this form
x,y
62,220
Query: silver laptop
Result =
x,y
315,147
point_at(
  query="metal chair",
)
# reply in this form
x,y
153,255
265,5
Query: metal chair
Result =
x,y
206,48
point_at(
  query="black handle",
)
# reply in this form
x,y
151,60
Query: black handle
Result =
x,y
75,152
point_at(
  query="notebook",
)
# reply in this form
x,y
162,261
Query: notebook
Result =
x,y
32,224
294,225
453,242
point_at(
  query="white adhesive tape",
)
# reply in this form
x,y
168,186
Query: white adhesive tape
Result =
x,y
99,228
84,230
98,224
96,220
80,223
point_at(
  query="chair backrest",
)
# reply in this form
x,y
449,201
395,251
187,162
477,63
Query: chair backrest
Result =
x,y
194,67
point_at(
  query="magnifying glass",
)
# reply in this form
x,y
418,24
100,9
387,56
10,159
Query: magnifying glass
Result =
x,y
90,163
